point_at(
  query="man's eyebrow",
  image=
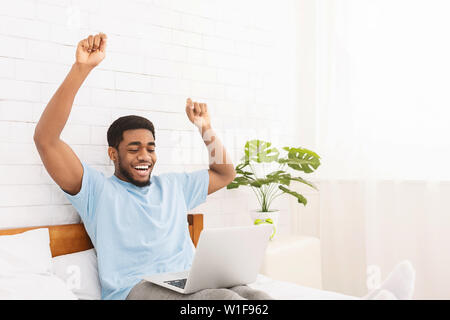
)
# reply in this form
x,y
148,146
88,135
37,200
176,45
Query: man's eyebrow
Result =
x,y
138,143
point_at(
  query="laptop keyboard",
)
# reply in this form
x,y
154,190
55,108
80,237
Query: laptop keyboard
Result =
x,y
180,283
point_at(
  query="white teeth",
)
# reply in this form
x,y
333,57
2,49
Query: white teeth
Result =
x,y
142,167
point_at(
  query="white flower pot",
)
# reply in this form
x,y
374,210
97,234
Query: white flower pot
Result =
x,y
258,217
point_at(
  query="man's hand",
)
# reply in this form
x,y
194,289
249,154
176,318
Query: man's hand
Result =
x,y
198,114
91,51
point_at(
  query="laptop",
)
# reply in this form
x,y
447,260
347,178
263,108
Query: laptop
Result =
x,y
224,257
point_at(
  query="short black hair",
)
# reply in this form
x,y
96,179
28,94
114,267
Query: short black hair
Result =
x,y
116,129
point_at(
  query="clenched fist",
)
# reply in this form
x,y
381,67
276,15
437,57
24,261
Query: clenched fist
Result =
x,y
198,114
91,51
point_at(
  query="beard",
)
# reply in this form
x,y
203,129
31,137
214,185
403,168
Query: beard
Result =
x,y
130,179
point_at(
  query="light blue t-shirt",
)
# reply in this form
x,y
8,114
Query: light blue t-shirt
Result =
x,y
138,231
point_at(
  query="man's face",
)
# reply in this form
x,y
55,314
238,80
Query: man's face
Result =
x,y
135,158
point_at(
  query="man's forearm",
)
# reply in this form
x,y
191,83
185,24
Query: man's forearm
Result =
x,y
57,112
219,161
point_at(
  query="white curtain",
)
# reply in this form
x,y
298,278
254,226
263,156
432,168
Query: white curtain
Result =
x,y
383,104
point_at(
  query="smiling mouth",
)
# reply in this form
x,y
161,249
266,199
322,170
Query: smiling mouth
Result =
x,y
143,170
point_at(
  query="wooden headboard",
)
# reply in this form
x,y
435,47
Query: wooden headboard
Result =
x,y
71,238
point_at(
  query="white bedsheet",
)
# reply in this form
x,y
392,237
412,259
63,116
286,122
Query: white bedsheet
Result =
x,y
33,287
281,290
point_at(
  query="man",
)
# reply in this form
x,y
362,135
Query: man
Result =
x,y
136,221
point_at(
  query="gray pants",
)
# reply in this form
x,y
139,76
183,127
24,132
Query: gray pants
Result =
x,y
145,290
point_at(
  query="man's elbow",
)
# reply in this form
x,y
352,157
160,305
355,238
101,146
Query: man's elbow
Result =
x,y
41,140
37,139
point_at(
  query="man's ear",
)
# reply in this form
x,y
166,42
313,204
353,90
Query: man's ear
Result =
x,y
112,152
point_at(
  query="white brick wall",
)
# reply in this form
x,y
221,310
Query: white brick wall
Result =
x,y
227,53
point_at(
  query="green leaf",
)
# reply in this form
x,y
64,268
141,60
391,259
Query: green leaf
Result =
x,y
233,185
301,159
259,151
242,165
256,184
276,172
280,176
245,173
239,181
242,180
305,182
300,198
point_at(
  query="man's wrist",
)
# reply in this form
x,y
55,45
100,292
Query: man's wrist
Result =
x,y
204,129
82,68
207,127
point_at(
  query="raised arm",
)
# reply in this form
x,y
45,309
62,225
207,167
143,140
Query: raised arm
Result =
x,y
221,169
59,159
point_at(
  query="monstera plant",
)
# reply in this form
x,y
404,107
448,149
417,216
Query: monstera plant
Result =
x,y
269,186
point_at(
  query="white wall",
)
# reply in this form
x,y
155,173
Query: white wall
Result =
x,y
237,56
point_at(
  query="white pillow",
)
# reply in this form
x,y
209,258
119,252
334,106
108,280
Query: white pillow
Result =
x,y
80,273
28,286
27,252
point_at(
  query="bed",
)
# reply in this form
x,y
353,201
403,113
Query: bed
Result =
x,y
72,240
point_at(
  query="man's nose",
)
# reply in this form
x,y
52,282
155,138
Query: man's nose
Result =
x,y
143,155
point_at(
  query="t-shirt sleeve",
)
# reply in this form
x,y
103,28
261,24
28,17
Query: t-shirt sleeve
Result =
x,y
91,186
194,186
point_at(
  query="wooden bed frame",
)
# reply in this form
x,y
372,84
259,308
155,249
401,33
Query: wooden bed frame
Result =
x,y
71,238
